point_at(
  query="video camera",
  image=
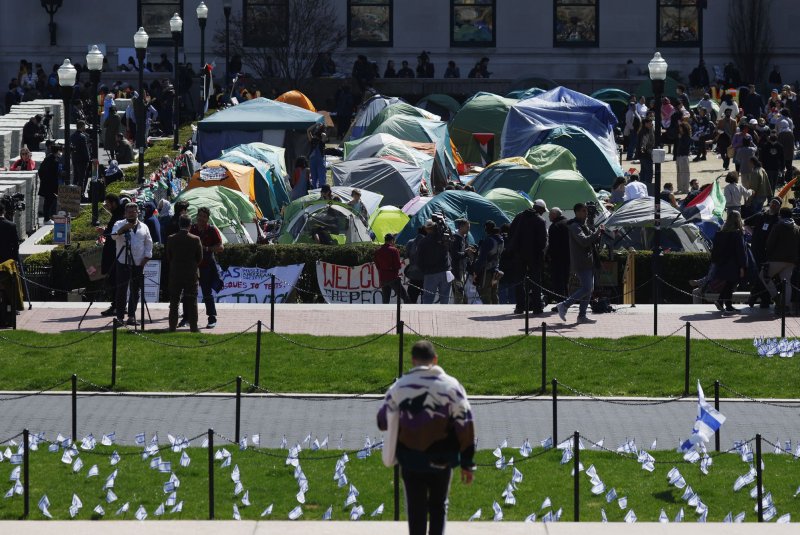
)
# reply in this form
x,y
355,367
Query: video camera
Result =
x,y
442,230
592,212
12,203
48,118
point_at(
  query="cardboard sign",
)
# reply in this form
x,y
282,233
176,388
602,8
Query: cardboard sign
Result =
x,y
349,284
69,199
92,259
254,285
152,281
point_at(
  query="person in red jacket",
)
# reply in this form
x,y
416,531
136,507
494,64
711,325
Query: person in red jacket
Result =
x,y
387,260
25,161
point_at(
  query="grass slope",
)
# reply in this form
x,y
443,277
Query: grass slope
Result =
x,y
286,367
270,481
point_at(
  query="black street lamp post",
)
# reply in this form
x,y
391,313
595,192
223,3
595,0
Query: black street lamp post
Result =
x,y
66,79
226,8
176,27
94,60
658,73
140,39
202,18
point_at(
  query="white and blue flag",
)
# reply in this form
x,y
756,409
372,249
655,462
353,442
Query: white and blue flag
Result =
x,y
708,421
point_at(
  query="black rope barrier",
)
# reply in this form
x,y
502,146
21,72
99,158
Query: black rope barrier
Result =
x,y
343,348
56,346
630,403
759,401
320,397
617,349
515,341
200,345
31,394
372,447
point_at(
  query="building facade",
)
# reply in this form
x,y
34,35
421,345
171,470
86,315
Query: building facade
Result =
x,y
557,39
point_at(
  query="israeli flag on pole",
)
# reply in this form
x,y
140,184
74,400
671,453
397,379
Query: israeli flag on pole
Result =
x,y
708,421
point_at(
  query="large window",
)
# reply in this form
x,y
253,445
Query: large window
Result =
x,y
265,22
575,23
369,22
678,23
473,23
154,16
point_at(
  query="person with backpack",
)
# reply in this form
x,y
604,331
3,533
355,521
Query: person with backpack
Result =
x,y
486,270
413,272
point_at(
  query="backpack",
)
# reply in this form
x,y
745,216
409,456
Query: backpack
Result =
x,y
637,123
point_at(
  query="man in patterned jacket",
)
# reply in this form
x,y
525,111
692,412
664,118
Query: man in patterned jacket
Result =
x,y
428,413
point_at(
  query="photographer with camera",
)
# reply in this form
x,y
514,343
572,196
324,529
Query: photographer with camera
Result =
x,y
460,256
433,253
316,157
485,272
33,133
584,260
9,238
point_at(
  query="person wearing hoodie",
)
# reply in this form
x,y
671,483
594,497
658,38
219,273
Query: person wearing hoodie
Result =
x,y
151,221
783,245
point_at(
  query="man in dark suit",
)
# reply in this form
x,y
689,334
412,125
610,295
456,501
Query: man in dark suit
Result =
x,y
528,241
109,259
184,254
9,238
81,156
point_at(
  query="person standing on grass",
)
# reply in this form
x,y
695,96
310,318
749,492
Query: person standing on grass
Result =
x,y
429,431
209,274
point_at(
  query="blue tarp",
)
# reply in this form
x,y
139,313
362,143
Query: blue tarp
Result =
x,y
454,204
592,161
529,120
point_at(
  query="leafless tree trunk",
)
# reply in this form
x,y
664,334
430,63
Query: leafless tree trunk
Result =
x,y
750,37
311,29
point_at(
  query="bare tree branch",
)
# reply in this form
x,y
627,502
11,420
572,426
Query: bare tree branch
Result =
x,y
750,37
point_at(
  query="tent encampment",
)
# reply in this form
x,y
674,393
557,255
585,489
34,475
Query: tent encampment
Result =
x,y
423,131
532,80
231,211
484,112
505,175
415,205
366,113
530,120
423,155
454,204
385,220
232,176
522,94
546,157
274,159
296,98
509,201
444,106
332,219
611,92
369,199
257,120
399,108
564,189
263,182
398,182
592,161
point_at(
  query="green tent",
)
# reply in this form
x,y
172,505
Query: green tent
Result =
x,y
400,108
611,92
378,145
229,208
618,105
545,158
444,106
423,131
484,112
509,201
522,94
337,219
505,175
564,189
264,180
387,219
592,160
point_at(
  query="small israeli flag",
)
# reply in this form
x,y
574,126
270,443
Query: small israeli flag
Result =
x,y
709,420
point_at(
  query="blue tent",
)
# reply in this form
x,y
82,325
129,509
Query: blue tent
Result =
x,y
264,177
273,159
259,119
508,175
592,161
454,204
529,120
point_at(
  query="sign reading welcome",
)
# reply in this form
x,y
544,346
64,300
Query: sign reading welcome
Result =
x,y
349,284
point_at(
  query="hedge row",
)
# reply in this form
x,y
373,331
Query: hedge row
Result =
x,y
67,271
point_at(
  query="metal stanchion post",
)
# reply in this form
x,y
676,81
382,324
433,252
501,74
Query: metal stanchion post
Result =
x,y
238,407
759,480
141,291
272,304
576,463
716,406
396,492
26,467
399,309
783,309
400,333
555,411
544,357
211,474
114,353
688,356
74,408
258,354
527,302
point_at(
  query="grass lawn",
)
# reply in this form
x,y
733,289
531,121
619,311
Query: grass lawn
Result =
x,y
285,367
269,481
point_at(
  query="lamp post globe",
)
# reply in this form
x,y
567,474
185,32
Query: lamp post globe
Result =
x,y
658,74
202,18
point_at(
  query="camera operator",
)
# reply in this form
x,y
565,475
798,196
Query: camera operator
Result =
x,y
486,272
9,239
460,256
133,234
434,260
33,132
317,139
583,260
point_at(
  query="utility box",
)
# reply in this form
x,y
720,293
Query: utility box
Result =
x,y
62,229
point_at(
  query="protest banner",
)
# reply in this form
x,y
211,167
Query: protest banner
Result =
x,y
254,285
349,284
152,281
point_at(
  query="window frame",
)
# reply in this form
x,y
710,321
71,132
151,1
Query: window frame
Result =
x,y
355,43
698,5
472,44
576,44
159,40
245,4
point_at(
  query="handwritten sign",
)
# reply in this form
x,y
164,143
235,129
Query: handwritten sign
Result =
x,y
69,199
254,285
349,284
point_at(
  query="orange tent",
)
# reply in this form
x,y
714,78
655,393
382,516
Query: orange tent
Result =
x,y
296,98
230,175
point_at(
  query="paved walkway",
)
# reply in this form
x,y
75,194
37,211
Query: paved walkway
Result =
x,y
485,321
353,419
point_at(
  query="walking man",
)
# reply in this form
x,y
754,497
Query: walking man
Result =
x,y
134,250
184,254
582,256
209,275
387,260
429,428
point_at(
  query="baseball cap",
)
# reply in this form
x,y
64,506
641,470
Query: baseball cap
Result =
x,y
540,203
753,122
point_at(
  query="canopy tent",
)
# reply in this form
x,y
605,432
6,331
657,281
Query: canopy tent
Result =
x,y
415,205
398,182
547,157
509,201
232,176
454,204
399,108
423,155
274,159
484,112
423,131
632,225
366,113
593,162
371,200
230,210
334,219
529,120
522,94
505,175
564,189
387,219
645,89
296,98
611,92
259,119
444,106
